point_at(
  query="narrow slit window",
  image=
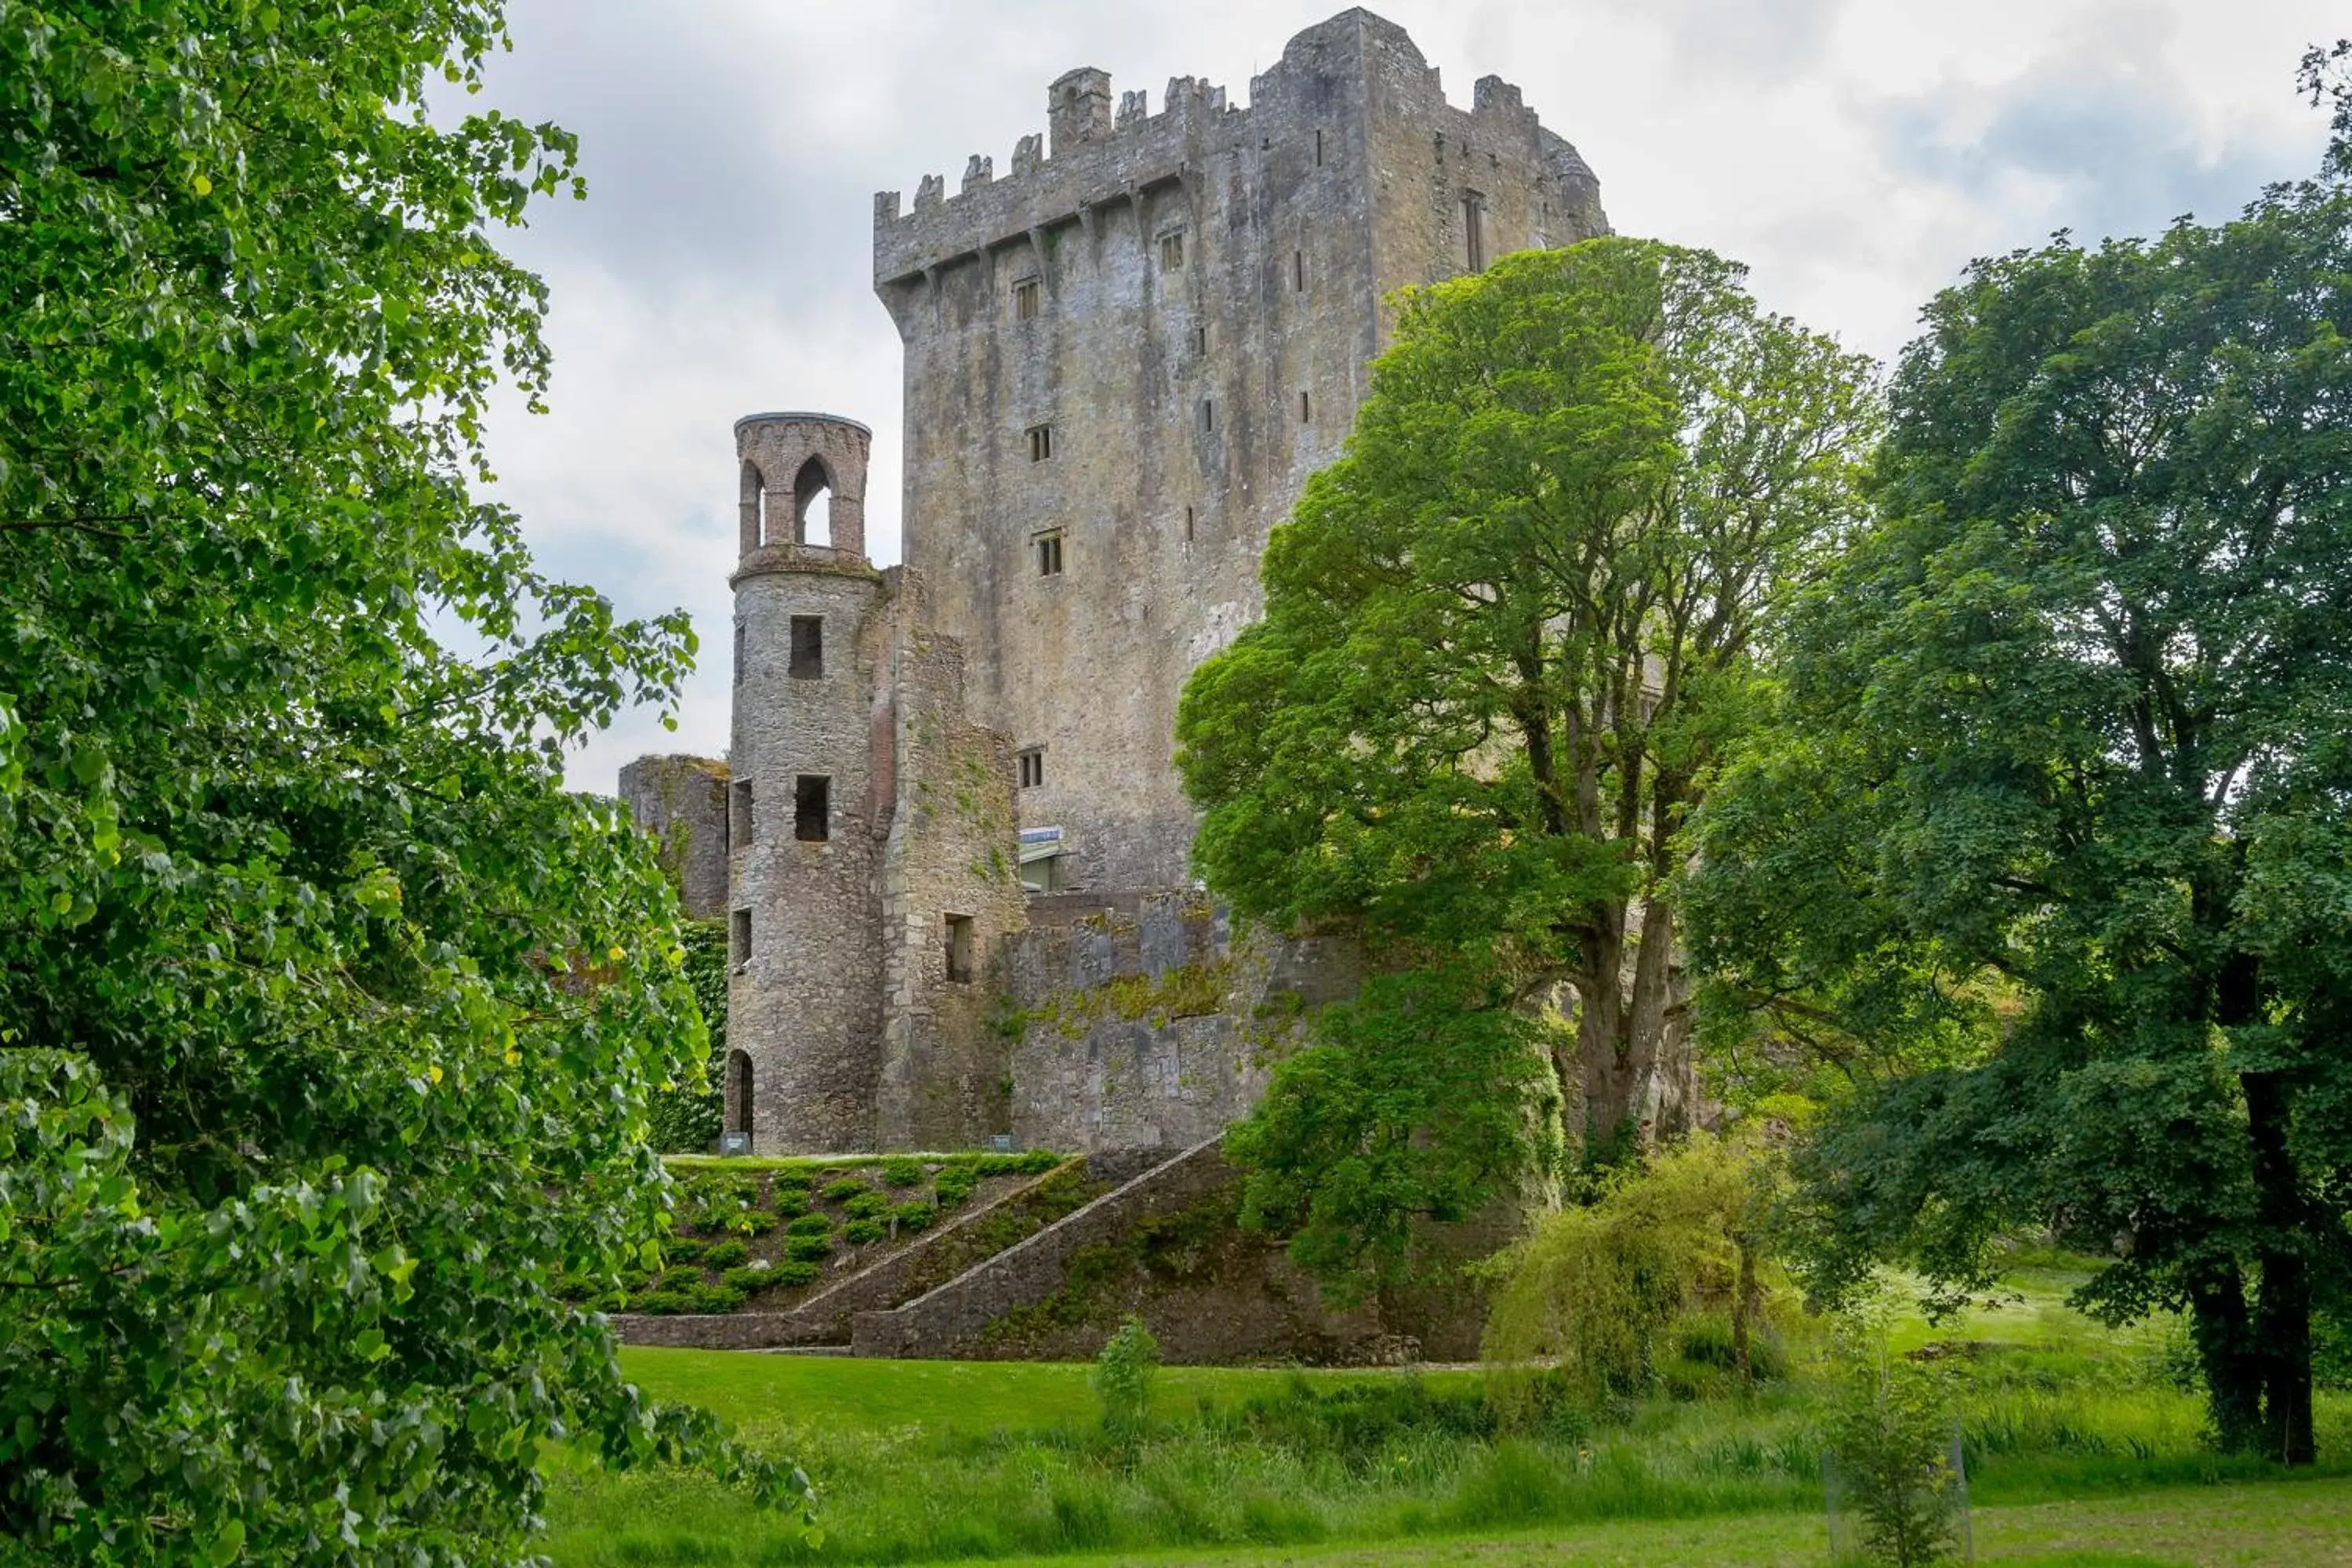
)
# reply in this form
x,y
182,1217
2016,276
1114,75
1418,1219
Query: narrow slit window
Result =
x,y
738,653
1298,272
812,808
1474,231
1025,295
1049,554
1306,415
1208,415
1041,442
808,648
1200,340
738,813
1188,525
1318,149
959,947
738,938
1033,766
1172,251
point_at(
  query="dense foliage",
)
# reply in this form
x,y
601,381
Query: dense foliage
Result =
x,y
1584,1307
689,1111
1505,635
327,1018
2054,826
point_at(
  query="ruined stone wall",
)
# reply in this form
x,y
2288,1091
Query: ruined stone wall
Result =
x,y
950,853
1143,1023
682,802
1188,398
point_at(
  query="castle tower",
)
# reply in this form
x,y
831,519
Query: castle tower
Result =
x,y
1123,360
807,810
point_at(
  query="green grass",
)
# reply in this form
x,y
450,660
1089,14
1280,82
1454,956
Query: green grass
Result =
x,y
2080,1441
2290,1524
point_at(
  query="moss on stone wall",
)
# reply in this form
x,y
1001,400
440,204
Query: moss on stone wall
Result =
x,y
1187,991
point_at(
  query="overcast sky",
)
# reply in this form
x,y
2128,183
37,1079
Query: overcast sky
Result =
x,y
1854,152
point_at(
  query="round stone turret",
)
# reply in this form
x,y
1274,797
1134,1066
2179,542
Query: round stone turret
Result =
x,y
806,813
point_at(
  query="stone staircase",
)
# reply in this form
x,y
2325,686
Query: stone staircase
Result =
x,y
949,1319
933,1266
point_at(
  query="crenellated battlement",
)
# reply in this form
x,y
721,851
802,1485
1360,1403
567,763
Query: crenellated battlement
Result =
x,y
1102,147
1096,158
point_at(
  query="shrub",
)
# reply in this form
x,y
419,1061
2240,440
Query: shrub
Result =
x,y
680,1277
682,1249
1123,1375
715,1298
811,1225
955,1184
1034,1161
808,1248
913,1217
794,1271
664,1303
845,1189
750,1277
902,1171
868,1205
865,1230
725,1254
1889,1432
791,1201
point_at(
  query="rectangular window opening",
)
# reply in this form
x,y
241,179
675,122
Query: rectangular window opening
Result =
x,y
812,808
1208,415
1200,340
738,813
1025,295
1318,149
1298,272
808,648
1049,555
738,938
1473,230
960,946
1172,251
1304,418
1188,525
1033,766
1041,442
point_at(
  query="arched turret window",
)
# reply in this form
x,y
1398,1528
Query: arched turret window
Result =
x,y
755,508
813,504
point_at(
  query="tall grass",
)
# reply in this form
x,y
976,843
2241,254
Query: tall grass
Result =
x,y
1382,1460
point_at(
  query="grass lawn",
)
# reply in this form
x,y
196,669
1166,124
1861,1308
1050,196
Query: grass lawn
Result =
x,y
959,1397
2084,1450
2280,1524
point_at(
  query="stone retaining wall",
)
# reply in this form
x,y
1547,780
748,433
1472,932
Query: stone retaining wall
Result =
x,y
953,1316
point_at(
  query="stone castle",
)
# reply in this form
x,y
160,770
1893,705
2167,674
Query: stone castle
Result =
x,y
948,837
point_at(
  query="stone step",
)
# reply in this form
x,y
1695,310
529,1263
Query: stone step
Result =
x,y
944,1320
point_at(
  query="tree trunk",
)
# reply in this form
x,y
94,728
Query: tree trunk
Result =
x,y
2281,1328
2226,1354
1632,1035
1745,1298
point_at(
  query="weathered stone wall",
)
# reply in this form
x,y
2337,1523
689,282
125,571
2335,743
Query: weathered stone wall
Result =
x,y
1143,1023
1187,403
682,802
951,853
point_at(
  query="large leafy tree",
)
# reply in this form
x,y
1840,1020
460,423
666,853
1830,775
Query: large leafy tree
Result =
x,y
1504,635
2063,768
327,1018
